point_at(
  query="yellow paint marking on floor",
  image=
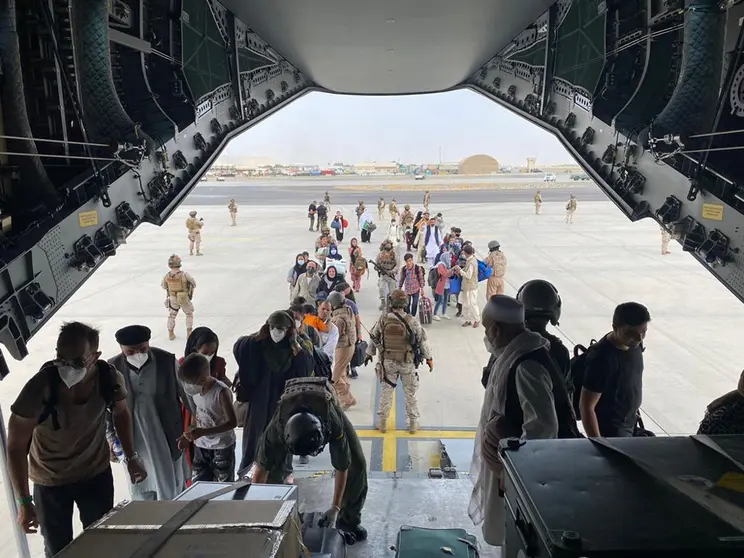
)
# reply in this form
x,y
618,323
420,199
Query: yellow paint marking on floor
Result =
x,y
420,435
390,443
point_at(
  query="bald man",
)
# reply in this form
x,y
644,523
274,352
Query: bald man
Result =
x,y
525,397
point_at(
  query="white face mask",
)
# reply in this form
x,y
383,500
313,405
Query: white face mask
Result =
x,y
298,324
209,357
137,360
277,334
71,375
489,346
191,389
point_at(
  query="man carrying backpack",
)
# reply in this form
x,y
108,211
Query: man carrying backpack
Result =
x,y
57,439
611,376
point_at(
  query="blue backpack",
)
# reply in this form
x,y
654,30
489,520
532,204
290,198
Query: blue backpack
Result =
x,y
484,272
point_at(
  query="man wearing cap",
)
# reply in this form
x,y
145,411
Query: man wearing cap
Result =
x,y
266,360
154,397
496,260
194,227
525,397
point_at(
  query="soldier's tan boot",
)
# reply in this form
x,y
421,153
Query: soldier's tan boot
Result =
x,y
382,425
188,331
171,334
198,253
413,426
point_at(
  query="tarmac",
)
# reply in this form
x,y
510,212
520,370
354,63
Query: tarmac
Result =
x,y
693,350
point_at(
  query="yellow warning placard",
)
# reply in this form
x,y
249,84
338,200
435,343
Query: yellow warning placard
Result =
x,y
732,481
713,211
88,218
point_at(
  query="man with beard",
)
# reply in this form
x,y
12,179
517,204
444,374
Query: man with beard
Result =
x,y
266,360
525,397
154,397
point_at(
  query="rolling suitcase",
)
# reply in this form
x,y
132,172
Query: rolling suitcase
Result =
x,y
425,310
418,542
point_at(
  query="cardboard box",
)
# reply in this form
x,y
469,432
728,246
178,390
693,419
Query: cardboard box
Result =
x,y
276,492
220,529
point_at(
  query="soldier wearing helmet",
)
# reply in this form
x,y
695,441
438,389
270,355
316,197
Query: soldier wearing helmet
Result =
x,y
427,199
496,260
194,227
381,208
232,207
401,343
386,265
307,419
179,287
359,211
394,208
542,305
407,218
342,316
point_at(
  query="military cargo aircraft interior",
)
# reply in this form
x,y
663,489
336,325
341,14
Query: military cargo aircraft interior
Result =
x,y
113,111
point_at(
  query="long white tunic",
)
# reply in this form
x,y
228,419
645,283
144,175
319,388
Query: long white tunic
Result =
x,y
165,477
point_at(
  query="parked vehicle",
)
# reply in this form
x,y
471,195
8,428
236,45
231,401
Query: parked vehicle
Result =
x,y
419,176
550,177
579,177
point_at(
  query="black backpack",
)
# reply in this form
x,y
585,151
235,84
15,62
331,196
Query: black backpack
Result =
x,y
106,386
576,375
433,277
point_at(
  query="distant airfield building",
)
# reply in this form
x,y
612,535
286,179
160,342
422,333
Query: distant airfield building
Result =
x,y
376,168
479,164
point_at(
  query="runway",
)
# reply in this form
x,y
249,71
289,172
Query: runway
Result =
x,y
348,190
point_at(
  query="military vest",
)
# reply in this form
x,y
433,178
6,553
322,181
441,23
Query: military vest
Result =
x,y
386,260
176,283
192,223
314,395
396,342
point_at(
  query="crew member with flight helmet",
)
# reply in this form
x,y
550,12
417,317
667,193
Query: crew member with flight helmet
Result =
x,y
307,418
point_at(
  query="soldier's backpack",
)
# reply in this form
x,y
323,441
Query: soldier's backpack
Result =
x,y
433,277
396,341
313,394
576,375
425,310
419,542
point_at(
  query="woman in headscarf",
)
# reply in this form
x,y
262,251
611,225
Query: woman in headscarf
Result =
x,y
333,255
367,225
339,225
266,360
328,282
355,251
295,271
443,263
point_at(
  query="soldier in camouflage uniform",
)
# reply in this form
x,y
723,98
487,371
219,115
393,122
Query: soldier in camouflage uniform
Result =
x,y
538,202
194,227
232,207
496,260
396,335
180,288
427,199
393,208
381,208
387,270
570,209
665,238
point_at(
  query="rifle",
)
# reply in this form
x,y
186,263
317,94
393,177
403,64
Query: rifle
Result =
x,y
381,271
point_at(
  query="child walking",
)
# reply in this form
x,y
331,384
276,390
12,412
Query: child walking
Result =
x,y
213,425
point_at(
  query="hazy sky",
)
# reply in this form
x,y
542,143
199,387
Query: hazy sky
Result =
x,y
320,128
